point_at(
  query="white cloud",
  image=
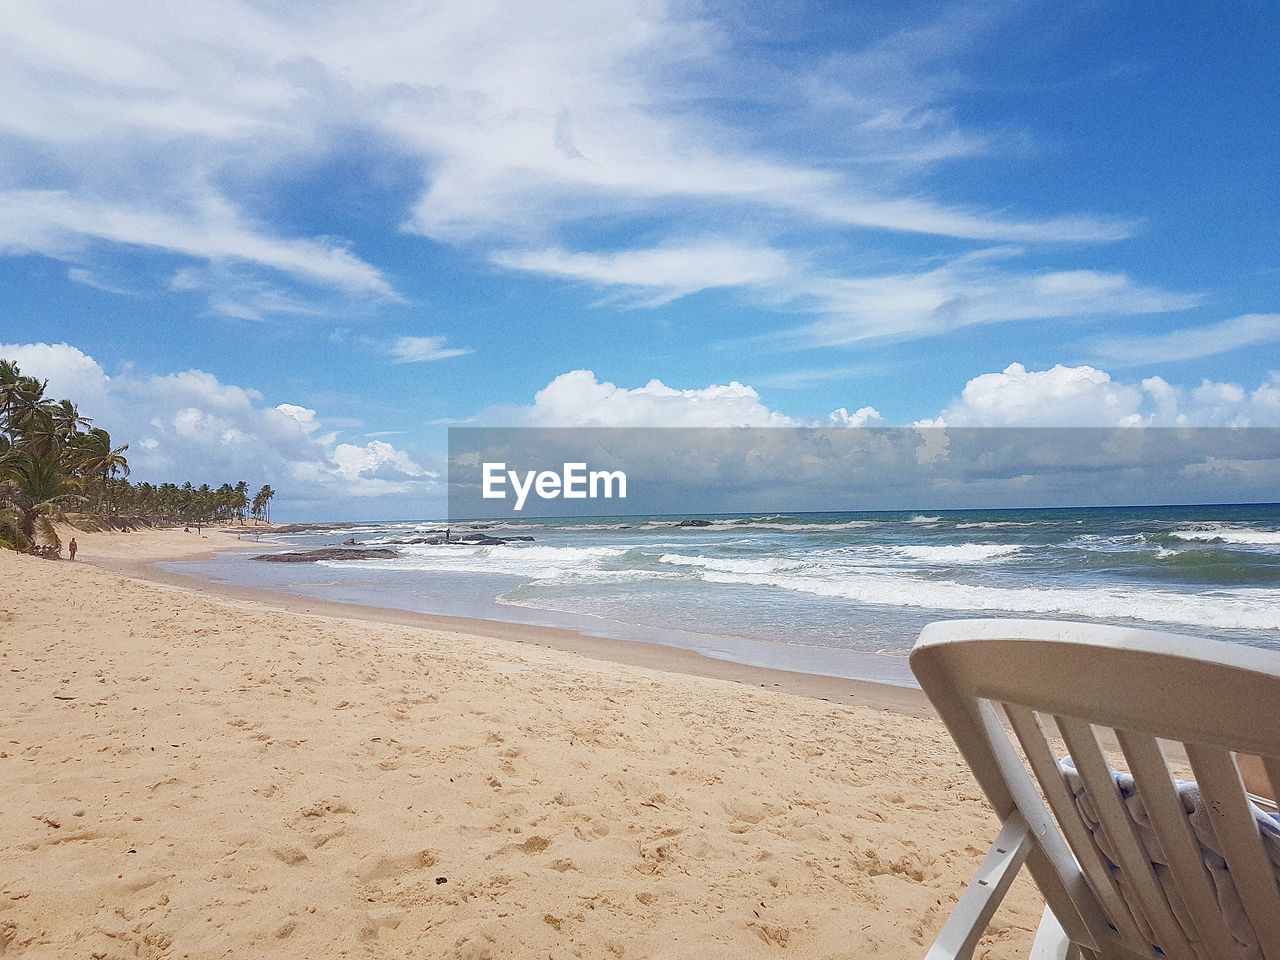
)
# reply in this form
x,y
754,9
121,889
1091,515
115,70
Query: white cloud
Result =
x,y
1086,396
305,417
1060,396
376,466
190,425
424,350
967,291
1191,343
862,417
88,278
57,223
964,291
658,275
524,120
578,399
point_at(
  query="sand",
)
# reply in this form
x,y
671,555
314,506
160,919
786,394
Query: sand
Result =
x,y
188,775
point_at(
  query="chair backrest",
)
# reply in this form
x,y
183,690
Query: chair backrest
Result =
x,y
1137,688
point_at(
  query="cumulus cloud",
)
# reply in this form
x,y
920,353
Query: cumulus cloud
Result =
x,y
1061,396
192,426
862,417
1085,396
580,399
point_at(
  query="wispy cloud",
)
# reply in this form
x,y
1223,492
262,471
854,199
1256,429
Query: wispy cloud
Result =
x,y
424,350
525,126
658,275
808,376
57,223
1190,343
983,287
87,278
965,292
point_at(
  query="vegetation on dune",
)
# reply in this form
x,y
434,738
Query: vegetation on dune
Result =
x,y
53,461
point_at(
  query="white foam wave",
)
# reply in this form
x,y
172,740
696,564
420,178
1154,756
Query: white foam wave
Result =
x,y
763,524
1241,535
729,565
1240,609
531,562
921,518
961,553
1001,524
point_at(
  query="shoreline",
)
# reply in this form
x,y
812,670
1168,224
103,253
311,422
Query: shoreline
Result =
x,y
638,653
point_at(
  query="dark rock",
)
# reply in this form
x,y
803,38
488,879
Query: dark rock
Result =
x,y
349,542
328,553
694,523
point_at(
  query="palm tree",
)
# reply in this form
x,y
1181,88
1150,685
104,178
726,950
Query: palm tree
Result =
x,y
98,460
32,493
38,432
9,377
22,398
262,502
67,418
51,455
240,502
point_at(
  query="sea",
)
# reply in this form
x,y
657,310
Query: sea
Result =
x,y
840,594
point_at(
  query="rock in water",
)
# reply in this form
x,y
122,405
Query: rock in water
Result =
x,y
328,553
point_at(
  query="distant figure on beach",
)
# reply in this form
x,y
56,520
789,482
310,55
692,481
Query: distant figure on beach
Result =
x,y
72,547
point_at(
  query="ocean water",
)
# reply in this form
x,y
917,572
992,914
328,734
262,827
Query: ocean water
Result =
x,y
843,594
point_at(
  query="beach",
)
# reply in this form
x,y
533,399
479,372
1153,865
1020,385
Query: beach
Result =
x,y
188,773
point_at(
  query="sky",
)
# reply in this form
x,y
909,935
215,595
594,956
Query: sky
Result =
x,y
293,243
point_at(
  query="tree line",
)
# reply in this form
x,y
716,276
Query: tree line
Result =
x,y
53,461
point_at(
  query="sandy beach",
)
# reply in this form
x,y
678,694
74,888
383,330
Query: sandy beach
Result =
x,y
187,774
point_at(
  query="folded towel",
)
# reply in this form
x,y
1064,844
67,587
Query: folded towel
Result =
x,y
1237,922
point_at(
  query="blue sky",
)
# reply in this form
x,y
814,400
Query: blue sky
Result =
x,y
387,221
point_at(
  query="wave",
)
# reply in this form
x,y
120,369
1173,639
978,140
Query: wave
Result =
x,y
756,524
1240,535
1240,609
724,565
837,562
961,553
1005,524
530,562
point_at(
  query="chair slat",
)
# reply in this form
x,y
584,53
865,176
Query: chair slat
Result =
x,y
1030,733
1181,850
1272,766
1237,831
1119,828
1078,911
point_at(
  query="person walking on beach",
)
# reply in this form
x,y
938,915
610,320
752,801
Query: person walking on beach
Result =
x,y
72,548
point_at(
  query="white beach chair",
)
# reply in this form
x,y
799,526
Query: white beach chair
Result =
x,y
1147,867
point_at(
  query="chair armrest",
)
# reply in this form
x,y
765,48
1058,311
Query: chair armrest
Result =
x,y
959,935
